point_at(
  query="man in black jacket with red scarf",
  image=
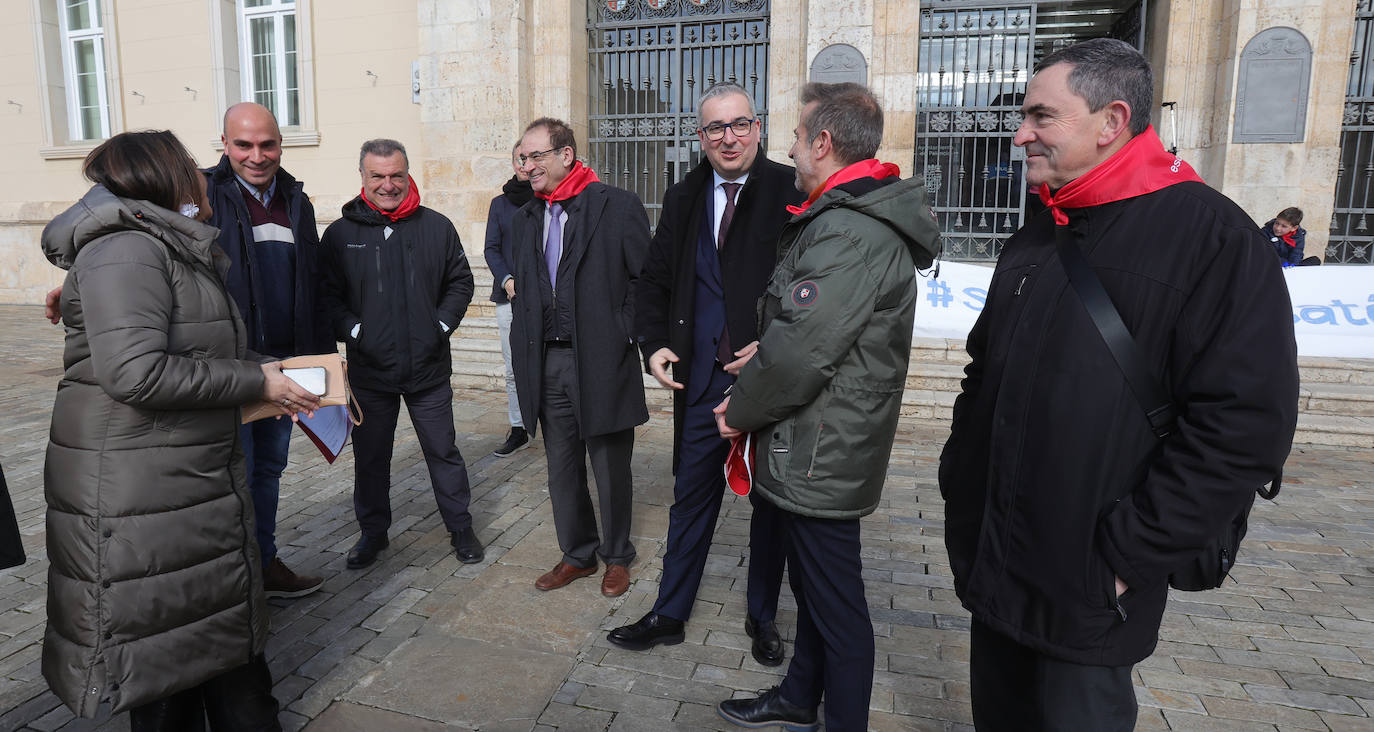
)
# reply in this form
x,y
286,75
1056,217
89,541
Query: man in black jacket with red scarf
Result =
x,y
577,249
714,248
1065,514
396,285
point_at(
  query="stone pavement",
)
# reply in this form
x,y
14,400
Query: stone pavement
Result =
x,y
422,642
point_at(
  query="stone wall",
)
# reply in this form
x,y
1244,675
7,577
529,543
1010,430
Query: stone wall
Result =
x,y
884,31
1198,49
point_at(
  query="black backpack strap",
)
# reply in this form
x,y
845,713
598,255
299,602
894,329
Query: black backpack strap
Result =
x,y
1159,408
1125,352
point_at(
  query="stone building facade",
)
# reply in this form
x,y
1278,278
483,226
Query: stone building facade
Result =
x,y
456,80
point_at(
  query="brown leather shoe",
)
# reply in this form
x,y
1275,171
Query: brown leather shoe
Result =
x,y
616,581
561,575
279,581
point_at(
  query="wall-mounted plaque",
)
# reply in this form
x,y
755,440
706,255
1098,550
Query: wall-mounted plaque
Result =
x,y
839,62
1271,96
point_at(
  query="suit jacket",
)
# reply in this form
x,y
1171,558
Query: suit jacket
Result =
x,y
604,243
665,311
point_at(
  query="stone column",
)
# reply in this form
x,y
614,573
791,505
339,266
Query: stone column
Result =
x,y
884,31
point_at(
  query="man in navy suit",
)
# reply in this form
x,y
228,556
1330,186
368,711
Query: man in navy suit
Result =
x,y
709,262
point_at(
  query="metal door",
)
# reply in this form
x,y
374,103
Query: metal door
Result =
x,y
649,61
1351,239
973,67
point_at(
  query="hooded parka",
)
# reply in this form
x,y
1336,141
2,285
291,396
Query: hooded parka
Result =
x,y
154,582
824,391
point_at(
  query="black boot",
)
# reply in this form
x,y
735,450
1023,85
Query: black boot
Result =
x,y
467,546
516,440
766,710
366,550
651,630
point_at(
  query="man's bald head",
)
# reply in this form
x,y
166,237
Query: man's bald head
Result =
x,y
252,141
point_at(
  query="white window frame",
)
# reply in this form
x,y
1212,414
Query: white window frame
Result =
x,y
69,40
277,10
230,74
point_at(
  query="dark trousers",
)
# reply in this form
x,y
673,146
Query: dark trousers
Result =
x,y
697,495
239,700
1017,688
834,652
568,453
266,443
431,412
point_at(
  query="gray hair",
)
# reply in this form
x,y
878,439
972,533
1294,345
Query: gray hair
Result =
x,y
1106,70
382,148
724,88
852,115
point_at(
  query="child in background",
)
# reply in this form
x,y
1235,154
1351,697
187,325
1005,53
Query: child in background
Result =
x,y
1286,236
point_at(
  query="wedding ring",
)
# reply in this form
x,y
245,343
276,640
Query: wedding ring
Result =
x,y
286,402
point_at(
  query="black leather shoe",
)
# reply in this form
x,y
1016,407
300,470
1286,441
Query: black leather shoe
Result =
x,y
366,550
651,630
766,710
467,547
767,648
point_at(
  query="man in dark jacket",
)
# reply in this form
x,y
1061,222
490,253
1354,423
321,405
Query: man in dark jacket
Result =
x,y
822,394
577,249
712,253
396,285
267,227
1065,514
514,194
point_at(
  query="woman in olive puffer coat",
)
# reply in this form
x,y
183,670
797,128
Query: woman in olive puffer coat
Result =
x,y
154,590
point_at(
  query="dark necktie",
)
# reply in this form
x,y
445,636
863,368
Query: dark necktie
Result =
x,y
723,352
553,243
730,190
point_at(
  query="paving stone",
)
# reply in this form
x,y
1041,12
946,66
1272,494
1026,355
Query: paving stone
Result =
x,y
1251,711
347,717
1303,699
466,682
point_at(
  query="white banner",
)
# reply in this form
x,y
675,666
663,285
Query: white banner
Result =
x,y
1333,306
1333,309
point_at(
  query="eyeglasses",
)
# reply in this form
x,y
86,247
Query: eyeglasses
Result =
x,y
741,127
537,156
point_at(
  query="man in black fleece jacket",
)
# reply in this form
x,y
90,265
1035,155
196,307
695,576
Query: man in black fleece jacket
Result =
x,y
396,285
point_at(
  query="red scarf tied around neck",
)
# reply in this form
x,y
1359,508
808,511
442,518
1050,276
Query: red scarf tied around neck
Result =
x,y
577,179
870,168
1142,166
1291,238
407,207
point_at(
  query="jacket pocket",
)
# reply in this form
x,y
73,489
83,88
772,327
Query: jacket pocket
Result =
x,y
780,449
1100,583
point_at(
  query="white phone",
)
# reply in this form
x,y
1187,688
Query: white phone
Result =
x,y
312,378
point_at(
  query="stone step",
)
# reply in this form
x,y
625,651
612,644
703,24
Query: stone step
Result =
x,y
1356,400
1336,402
1334,430
1313,370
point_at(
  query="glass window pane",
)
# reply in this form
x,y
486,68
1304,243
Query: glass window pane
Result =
x,y
256,3
262,49
90,111
292,116
79,14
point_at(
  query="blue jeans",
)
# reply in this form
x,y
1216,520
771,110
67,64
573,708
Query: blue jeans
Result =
x,y
266,443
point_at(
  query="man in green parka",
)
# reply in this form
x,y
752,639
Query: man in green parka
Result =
x,y
822,394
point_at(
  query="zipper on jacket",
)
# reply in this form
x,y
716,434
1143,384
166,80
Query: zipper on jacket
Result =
x,y
378,252
1021,284
1116,605
814,449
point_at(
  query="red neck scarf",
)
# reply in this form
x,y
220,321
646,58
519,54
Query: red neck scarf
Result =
x,y
1142,166
577,180
407,207
1291,238
870,168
